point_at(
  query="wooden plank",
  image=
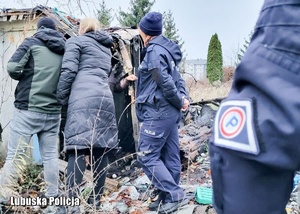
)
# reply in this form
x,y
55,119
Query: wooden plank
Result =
x,y
20,17
111,184
13,18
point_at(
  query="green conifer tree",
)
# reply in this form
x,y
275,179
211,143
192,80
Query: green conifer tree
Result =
x,y
169,28
104,15
170,31
137,9
214,70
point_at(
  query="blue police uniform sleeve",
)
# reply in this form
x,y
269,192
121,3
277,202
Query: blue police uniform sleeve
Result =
x,y
159,69
181,86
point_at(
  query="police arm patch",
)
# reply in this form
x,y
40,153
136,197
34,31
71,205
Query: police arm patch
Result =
x,y
234,127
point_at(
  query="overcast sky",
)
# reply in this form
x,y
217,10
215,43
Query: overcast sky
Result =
x,y
196,21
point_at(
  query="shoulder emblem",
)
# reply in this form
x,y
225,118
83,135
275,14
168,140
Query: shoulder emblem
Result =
x,y
234,127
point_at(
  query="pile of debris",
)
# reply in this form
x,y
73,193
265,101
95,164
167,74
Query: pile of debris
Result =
x,y
128,190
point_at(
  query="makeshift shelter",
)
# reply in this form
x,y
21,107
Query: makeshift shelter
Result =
x,y
17,24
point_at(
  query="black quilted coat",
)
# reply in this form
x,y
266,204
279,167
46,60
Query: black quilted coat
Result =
x,y
84,87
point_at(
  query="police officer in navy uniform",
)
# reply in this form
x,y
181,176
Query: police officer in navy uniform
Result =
x,y
255,147
161,95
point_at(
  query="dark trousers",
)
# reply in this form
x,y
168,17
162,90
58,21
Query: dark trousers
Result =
x,y
162,164
77,166
245,186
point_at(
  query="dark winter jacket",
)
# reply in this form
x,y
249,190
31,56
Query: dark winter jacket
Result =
x,y
84,87
160,87
36,64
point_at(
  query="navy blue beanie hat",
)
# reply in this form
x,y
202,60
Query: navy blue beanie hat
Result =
x,y
151,24
46,22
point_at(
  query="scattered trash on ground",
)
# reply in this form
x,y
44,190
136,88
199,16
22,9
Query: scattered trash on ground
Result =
x,y
128,189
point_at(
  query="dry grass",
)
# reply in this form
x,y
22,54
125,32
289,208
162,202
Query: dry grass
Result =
x,y
203,90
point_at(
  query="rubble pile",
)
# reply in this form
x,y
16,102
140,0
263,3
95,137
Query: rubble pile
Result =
x,y
128,190
194,140
195,133
135,191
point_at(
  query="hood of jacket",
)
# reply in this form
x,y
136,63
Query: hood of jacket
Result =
x,y
101,37
169,45
53,39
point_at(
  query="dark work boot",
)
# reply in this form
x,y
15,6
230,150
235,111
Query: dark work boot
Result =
x,y
167,208
154,205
